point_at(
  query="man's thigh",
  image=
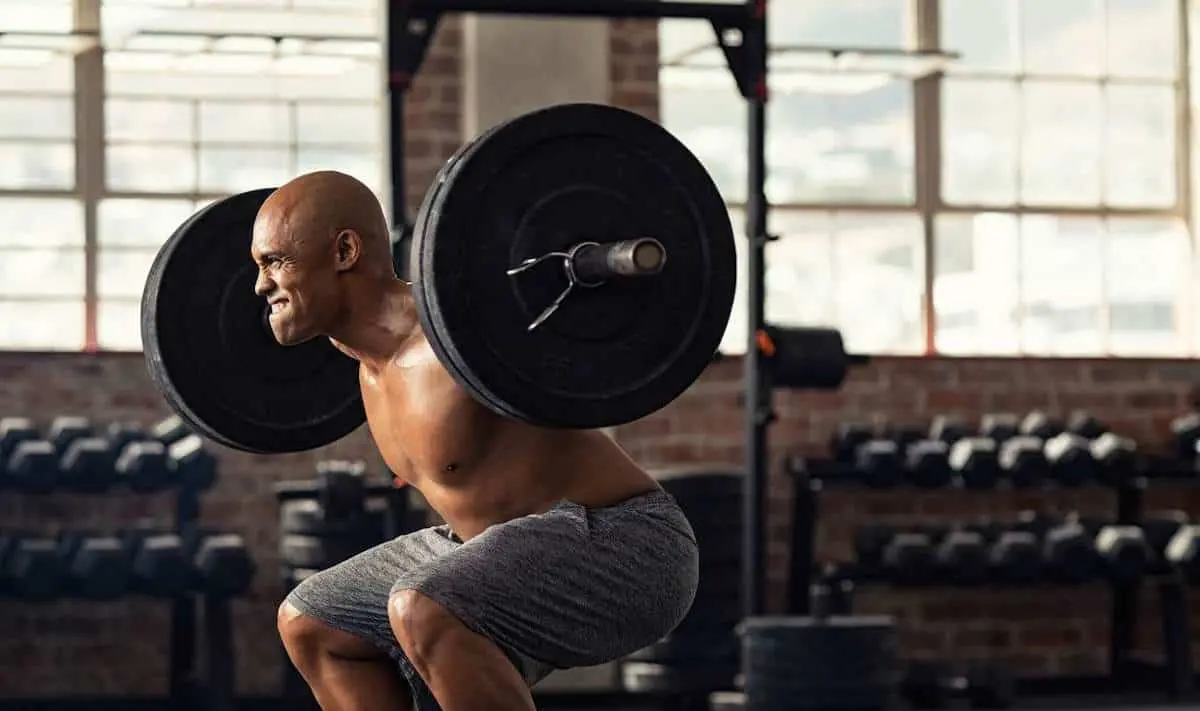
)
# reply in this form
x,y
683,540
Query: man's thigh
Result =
x,y
570,587
352,596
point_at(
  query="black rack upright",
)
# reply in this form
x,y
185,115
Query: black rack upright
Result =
x,y
741,33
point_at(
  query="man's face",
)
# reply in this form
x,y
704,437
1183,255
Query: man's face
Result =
x,y
297,277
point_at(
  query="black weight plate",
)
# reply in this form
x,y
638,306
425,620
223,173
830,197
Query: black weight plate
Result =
x,y
209,350
544,182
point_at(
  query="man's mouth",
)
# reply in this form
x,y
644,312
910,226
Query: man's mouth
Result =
x,y
278,305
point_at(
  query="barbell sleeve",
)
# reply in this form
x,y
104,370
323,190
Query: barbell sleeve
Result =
x,y
595,263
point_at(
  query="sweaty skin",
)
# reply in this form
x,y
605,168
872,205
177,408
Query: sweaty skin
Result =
x,y
322,246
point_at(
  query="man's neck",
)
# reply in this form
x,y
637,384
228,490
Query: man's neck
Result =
x,y
377,322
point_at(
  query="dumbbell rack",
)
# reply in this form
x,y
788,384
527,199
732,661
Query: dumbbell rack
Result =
x,y
812,476
181,663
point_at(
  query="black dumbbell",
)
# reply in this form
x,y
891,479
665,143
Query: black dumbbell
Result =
x,y
96,566
1122,551
1022,461
1185,429
909,559
948,429
1070,460
1160,527
1183,552
223,565
194,467
342,488
1041,425
879,463
170,430
13,431
1069,552
933,685
66,429
927,464
844,442
961,556
33,467
1014,557
88,465
32,568
141,462
975,461
159,563
1084,424
999,426
1116,458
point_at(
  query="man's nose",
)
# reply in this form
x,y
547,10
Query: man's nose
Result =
x,y
263,285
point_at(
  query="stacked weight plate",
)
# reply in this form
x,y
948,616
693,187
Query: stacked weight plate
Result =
x,y
701,654
818,664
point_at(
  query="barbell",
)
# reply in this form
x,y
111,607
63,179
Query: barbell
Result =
x,y
573,268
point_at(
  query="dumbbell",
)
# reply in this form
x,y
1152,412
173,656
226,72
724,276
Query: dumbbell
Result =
x,y
934,685
900,557
846,439
1086,425
999,426
1115,457
1014,556
1070,460
961,557
13,431
141,463
1041,425
1175,543
342,488
159,562
170,430
1122,552
1185,430
221,563
194,467
1069,552
30,567
976,462
1022,461
32,467
927,464
96,566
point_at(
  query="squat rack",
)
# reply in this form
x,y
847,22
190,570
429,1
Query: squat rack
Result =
x,y
741,33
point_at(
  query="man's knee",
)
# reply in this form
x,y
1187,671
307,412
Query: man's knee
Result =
x,y
308,640
421,625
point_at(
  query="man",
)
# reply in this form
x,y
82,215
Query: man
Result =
x,y
557,550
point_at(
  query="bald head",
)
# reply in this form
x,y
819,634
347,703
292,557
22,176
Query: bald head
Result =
x,y
321,243
316,209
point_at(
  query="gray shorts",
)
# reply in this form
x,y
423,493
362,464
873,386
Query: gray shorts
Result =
x,y
570,587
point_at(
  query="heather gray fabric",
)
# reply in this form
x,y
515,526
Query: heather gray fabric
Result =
x,y
570,587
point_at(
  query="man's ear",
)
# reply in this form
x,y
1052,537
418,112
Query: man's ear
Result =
x,y
349,249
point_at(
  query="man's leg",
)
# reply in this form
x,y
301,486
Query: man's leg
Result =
x,y
570,587
344,672
336,630
464,670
